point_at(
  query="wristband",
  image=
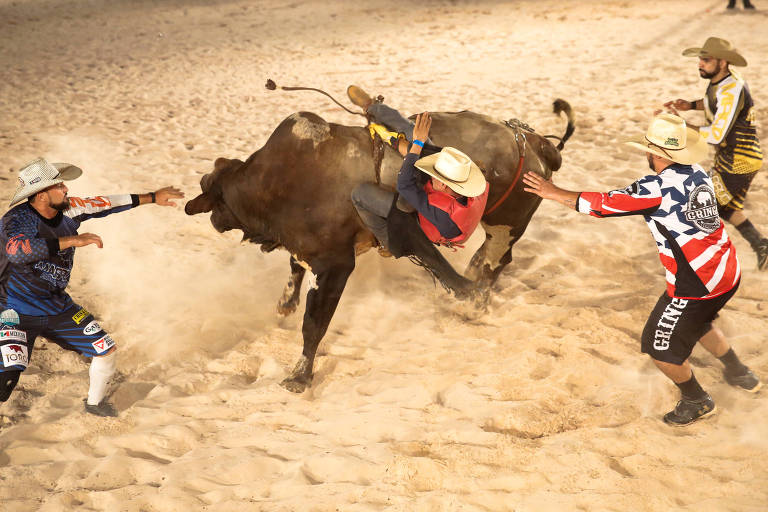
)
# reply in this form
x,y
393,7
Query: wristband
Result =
x,y
419,143
693,104
152,196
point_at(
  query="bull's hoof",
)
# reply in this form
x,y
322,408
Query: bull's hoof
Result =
x,y
295,385
286,308
301,376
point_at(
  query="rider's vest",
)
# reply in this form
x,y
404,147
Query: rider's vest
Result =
x,y
465,217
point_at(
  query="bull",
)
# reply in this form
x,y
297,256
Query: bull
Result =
x,y
294,193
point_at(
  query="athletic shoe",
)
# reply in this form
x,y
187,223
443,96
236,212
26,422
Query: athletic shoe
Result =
x,y
103,409
359,97
687,411
748,381
762,254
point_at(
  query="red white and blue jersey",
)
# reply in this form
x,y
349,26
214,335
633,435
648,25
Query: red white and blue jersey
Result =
x,y
34,272
679,206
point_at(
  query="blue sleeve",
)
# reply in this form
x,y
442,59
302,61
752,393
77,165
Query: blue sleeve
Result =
x,y
409,188
22,245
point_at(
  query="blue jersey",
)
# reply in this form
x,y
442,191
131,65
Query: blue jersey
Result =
x,y
34,272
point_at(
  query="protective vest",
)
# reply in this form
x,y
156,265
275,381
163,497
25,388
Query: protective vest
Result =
x,y
465,217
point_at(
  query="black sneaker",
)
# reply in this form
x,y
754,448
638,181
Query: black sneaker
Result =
x,y
762,255
748,381
687,411
103,409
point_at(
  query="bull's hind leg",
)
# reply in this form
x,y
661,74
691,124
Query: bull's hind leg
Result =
x,y
290,299
321,304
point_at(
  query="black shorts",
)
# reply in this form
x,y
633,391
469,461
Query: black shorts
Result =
x,y
75,330
731,189
676,325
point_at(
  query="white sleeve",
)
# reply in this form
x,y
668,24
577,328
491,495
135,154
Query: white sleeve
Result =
x,y
728,99
88,206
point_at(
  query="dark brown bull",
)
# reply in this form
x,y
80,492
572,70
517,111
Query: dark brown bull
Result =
x,y
295,191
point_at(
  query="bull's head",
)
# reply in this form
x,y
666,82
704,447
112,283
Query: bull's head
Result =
x,y
211,200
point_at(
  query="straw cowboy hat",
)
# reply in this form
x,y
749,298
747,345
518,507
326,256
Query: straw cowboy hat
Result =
x,y
456,170
39,174
717,48
670,138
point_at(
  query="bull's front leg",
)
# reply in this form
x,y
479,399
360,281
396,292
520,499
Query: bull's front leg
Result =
x,y
321,304
290,299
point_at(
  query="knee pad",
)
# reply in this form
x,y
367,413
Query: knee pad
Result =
x,y
8,381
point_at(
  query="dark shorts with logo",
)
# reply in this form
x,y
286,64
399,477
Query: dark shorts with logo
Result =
x,y
731,189
676,325
75,330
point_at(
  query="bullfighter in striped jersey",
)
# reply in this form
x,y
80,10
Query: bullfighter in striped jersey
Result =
x,y
39,237
729,110
702,271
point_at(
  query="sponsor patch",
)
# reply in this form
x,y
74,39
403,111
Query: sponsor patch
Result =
x,y
80,316
92,328
35,180
14,355
672,141
103,344
9,317
12,335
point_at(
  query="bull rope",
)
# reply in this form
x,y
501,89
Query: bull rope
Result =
x,y
515,125
271,85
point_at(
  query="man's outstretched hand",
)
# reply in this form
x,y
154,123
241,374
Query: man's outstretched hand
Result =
x,y
80,240
164,196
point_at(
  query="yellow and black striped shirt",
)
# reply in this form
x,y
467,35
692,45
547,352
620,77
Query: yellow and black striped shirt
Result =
x,y
728,107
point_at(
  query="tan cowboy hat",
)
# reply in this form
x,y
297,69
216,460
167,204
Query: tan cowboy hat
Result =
x,y
717,48
456,170
39,174
670,138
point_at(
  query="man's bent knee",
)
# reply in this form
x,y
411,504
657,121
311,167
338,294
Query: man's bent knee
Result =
x,y
8,381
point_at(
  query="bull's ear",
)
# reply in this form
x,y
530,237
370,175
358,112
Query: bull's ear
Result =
x,y
201,204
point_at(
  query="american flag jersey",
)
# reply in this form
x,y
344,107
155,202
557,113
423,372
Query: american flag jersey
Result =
x,y
680,209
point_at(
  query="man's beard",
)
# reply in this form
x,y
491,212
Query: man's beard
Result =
x,y
705,74
60,207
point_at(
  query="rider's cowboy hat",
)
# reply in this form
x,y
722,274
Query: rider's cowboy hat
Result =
x,y
670,138
717,48
39,174
456,170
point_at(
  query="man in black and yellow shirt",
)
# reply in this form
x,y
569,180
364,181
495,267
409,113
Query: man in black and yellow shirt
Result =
x,y
730,115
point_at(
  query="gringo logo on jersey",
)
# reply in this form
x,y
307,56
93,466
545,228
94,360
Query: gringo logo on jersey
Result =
x,y
14,355
702,209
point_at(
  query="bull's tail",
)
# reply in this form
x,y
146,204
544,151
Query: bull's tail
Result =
x,y
560,105
271,85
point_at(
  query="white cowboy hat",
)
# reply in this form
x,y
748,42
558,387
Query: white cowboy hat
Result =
x,y
39,174
670,138
717,48
456,170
